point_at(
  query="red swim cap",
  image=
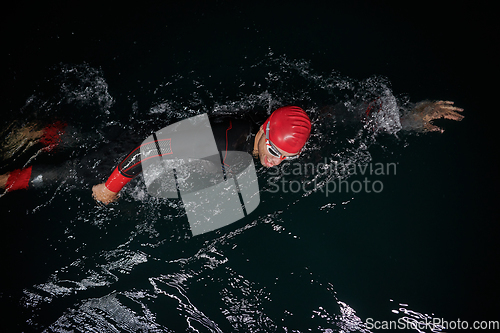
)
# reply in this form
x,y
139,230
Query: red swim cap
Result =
x,y
289,128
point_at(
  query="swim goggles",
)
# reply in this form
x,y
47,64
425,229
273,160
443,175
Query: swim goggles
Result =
x,y
273,150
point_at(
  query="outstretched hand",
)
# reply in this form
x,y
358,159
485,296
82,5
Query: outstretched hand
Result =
x,y
101,193
436,110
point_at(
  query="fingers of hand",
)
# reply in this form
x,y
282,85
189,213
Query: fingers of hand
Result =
x,y
445,102
446,109
452,115
449,105
433,128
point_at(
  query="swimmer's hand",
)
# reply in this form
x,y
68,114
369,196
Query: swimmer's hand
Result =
x,y
101,193
436,110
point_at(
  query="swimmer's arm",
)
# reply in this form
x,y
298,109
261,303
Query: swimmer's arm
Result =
x,y
109,191
420,118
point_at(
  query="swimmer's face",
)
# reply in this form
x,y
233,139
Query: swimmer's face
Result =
x,y
266,159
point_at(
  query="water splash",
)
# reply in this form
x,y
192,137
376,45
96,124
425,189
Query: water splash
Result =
x,y
133,265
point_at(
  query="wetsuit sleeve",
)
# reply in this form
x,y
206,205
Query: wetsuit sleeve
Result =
x,y
18,179
126,170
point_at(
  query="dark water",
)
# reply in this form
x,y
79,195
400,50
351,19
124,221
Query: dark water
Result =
x,y
424,247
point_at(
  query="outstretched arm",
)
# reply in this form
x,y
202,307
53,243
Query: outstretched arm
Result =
x,y
420,118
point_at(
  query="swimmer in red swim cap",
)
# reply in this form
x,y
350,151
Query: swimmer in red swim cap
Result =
x,y
282,136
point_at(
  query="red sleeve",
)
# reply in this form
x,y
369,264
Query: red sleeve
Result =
x,y
18,179
116,181
126,170
52,135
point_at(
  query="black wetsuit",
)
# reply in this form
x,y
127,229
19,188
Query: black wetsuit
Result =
x,y
230,134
